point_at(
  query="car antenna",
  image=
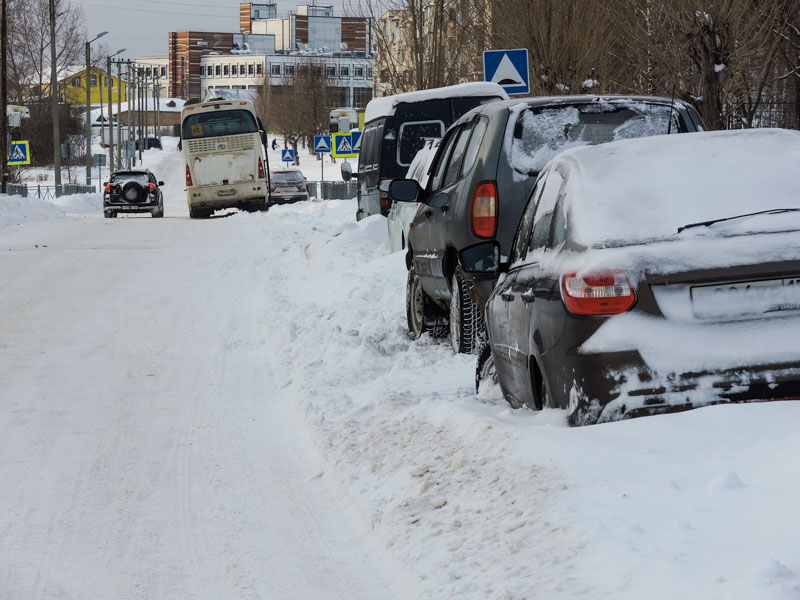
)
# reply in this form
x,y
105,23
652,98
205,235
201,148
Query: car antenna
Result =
x,y
671,109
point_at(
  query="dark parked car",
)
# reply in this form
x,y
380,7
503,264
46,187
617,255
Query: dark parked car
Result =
x,y
480,179
287,185
650,276
148,143
135,190
395,129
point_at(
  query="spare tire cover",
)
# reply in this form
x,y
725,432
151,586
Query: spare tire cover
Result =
x,y
133,192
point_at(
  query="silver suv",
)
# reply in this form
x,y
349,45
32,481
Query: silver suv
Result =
x,y
479,181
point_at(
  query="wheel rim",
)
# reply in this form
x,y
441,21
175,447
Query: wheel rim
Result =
x,y
455,315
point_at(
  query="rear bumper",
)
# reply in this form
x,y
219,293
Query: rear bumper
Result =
x,y
619,385
287,198
126,207
226,196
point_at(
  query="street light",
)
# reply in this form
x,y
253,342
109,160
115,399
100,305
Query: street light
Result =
x,y
102,123
89,109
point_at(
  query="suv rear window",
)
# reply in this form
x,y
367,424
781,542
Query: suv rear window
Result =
x,y
541,133
219,122
286,176
412,138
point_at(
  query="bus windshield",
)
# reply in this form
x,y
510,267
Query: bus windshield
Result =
x,y
219,122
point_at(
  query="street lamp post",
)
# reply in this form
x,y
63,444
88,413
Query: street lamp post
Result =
x,y
110,123
54,100
88,126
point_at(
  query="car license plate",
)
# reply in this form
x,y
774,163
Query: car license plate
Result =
x,y
226,193
746,298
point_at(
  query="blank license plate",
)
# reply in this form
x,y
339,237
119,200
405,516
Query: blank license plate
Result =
x,y
746,298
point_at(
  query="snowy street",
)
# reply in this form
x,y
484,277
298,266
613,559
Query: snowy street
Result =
x,y
231,408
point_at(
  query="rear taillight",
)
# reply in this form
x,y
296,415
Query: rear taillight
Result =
x,y
108,187
261,173
598,293
152,187
483,211
188,177
383,196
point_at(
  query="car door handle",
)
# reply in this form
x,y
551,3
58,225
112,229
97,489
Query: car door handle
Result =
x,y
444,208
507,296
528,297
428,213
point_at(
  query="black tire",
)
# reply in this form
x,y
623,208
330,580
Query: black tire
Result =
x,y
485,368
466,321
196,213
159,212
422,315
110,214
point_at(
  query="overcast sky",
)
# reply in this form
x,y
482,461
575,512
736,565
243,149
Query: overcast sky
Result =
x,y
142,27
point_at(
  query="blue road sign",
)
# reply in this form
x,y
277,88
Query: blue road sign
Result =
x,y
287,155
322,144
19,153
356,137
508,68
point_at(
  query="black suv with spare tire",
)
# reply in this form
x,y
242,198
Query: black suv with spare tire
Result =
x,y
133,191
479,181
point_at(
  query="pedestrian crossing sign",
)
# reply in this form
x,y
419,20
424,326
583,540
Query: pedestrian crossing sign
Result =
x,y
343,146
19,153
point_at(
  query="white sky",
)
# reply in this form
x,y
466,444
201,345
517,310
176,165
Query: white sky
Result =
x,y
142,28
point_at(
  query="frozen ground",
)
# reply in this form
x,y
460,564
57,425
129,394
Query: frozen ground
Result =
x,y
230,408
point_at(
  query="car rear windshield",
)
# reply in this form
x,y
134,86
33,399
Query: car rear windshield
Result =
x,y
128,176
219,122
286,177
541,133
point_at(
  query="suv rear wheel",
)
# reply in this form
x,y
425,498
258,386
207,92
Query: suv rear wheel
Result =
x,y
421,313
466,321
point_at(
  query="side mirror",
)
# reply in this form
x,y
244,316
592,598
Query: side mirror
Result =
x,y
347,171
160,183
263,137
180,145
105,183
482,258
404,190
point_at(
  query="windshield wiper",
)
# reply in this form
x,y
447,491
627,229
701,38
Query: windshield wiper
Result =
x,y
772,211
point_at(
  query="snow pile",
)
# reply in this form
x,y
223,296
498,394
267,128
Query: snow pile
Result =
x,y
16,209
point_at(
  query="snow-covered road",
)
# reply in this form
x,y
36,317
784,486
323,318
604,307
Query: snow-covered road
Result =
x,y
230,408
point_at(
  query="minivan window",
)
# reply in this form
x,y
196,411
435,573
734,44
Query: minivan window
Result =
x,y
456,160
412,137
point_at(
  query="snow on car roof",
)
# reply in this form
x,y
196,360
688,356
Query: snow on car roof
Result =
x,y
645,189
384,107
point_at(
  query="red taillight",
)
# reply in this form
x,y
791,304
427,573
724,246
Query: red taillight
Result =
x,y
261,173
188,177
483,211
598,293
383,196
152,187
108,187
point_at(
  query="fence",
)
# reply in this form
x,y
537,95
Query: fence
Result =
x,y
333,190
46,192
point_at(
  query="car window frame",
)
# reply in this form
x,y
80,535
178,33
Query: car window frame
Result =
x,y
441,160
455,163
523,229
554,171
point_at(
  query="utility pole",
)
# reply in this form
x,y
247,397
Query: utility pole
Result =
x,y
130,96
54,99
110,122
4,99
119,114
89,108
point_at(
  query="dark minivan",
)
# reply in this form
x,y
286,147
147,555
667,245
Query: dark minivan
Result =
x,y
396,127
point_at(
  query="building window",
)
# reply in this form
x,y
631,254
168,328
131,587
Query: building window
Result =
x,y
76,82
369,72
235,70
276,69
92,80
289,71
344,71
260,68
330,71
226,70
241,69
218,70
163,71
358,72
250,69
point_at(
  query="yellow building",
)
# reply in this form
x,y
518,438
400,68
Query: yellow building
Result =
x,y
72,88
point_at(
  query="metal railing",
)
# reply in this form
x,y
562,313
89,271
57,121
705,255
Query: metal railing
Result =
x,y
47,192
333,190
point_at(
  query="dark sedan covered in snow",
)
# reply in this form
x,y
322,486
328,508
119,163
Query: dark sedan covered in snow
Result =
x,y
651,275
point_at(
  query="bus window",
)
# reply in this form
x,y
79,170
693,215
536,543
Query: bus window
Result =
x,y
223,122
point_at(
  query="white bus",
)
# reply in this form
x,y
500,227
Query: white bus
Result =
x,y
226,163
